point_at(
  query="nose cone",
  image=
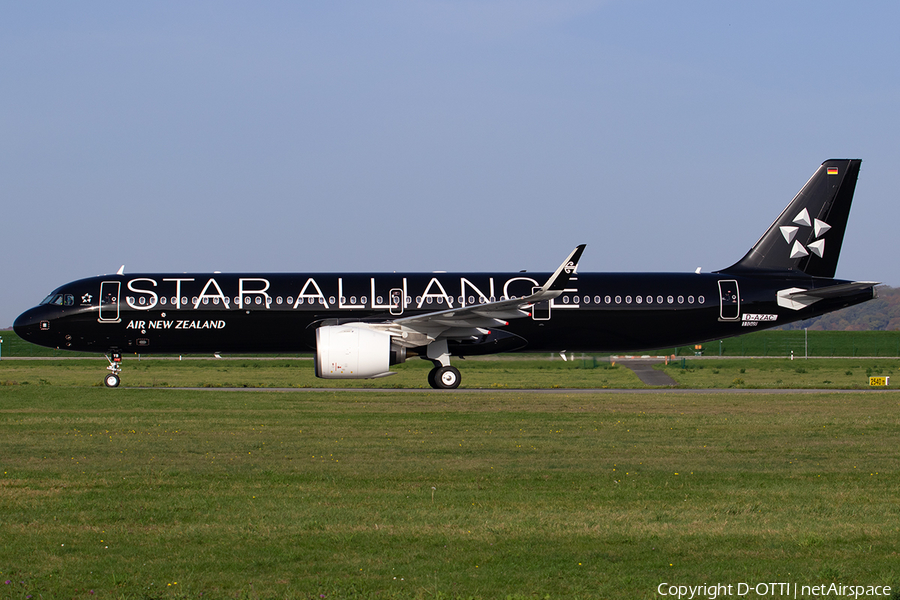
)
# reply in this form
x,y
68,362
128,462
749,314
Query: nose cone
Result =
x,y
28,324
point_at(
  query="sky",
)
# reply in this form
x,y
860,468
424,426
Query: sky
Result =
x,y
473,135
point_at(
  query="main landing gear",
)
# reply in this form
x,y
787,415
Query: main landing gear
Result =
x,y
442,376
115,367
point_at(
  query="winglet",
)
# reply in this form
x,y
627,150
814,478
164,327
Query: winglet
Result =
x,y
560,278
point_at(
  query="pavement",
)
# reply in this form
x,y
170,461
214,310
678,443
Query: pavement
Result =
x,y
643,368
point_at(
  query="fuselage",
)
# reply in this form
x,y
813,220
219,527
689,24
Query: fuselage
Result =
x,y
359,324
277,312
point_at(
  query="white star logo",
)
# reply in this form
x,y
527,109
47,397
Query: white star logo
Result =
x,y
819,229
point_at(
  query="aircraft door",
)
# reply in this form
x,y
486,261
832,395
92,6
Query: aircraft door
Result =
x,y
729,300
397,301
109,301
541,310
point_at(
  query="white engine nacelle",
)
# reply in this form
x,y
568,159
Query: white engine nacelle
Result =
x,y
355,351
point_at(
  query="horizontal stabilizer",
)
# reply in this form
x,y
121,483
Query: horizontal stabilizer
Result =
x,y
798,298
836,291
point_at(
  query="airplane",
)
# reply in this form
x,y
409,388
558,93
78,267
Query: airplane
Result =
x,y
360,324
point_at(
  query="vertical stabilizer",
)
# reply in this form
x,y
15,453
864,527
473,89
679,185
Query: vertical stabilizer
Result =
x,y
808,234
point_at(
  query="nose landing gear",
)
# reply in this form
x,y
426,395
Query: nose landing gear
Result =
x,y
112,379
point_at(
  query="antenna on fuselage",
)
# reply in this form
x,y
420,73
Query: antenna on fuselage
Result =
x,y
121,270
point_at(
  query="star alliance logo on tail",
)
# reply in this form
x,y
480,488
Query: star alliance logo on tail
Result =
x,y
819,229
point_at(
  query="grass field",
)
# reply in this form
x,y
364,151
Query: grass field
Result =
x,y
484,373
161,493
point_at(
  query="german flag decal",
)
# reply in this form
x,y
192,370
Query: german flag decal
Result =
x,y
832,171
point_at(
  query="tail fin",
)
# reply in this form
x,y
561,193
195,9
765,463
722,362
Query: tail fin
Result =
x,y
807,236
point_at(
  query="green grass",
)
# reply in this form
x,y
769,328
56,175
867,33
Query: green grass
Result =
x,y
822,373
155,493
483,373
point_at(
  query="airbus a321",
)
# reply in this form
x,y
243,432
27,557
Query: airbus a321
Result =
x,y
359,324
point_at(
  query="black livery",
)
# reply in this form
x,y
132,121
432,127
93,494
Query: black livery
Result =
x,y
359,324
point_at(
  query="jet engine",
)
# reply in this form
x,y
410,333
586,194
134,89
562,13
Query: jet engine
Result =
x,y
355,351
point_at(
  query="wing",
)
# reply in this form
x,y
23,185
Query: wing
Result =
x,y
469,321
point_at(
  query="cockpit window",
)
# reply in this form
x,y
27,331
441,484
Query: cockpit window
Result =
x,y
59,300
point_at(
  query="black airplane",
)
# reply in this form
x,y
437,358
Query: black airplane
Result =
x,y
359,324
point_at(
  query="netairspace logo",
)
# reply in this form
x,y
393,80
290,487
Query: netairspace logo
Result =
x,y
771,590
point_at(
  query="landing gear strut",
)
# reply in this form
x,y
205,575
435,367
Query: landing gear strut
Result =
x,y
112,379
442,376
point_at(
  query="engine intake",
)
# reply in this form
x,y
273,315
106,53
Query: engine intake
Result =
x,y
355,351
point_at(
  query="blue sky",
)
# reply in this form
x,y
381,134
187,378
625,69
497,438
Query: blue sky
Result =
x,y
398,135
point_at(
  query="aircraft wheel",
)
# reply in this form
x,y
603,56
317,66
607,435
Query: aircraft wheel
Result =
x,y
445,378
431,380
112,380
